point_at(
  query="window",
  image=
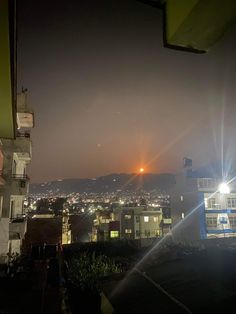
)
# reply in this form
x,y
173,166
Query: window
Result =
x,y
137,232
206,183
147,233
181,198
155,219
157,232
137,219
104,221
211,222
211,203
114,234
231,202
232,221
146,218
128,230
127,217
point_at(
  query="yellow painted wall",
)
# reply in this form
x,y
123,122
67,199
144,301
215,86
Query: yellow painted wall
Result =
x,y
7,127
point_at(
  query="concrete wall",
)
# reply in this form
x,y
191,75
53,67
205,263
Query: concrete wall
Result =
x,y
186,209
4,237
15,246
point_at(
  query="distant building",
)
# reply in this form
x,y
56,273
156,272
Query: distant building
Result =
x,y
101,226
140,223
81,226
47,229
200,207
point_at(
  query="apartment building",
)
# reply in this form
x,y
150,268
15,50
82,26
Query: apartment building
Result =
x,y
101,225
140,223
202,206
16,154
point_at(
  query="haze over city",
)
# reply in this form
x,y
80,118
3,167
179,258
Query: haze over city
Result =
x,y
109,98
117,156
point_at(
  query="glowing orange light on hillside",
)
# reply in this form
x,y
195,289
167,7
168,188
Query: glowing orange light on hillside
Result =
x,y
141,170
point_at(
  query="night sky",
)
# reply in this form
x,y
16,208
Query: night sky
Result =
x,y
108,97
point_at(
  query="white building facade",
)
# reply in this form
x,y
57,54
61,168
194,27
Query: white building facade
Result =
x,y
16,154
200,208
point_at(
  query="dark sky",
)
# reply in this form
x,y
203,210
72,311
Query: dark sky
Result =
x,y
109,98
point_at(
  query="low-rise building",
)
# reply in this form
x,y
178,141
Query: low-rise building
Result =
x,y
130,223
141,222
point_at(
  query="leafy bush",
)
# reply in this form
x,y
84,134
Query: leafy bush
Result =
x,y
86,270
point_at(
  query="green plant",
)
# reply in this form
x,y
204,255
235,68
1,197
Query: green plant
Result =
x,y
86,270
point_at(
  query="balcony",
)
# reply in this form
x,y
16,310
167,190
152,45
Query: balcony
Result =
x,y
23,134
20,184
18,225
20,177
23,146
25,120
25,116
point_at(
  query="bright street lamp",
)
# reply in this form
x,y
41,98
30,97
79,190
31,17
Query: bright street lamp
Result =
x,y
224,188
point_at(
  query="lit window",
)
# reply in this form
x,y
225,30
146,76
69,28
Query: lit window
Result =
x,y
128,230
127,216
155,219
182,215
114,234
146,218
181,198
157,232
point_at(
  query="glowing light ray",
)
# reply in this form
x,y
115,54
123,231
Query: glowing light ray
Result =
x,y
231,180
127,182
158,244
173,142
180,222
174,228
165,149
222,142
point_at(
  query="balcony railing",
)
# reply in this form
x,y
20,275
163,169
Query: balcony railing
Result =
x,y
18,219
23,134
20,177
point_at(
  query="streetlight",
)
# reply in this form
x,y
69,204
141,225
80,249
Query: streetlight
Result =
x,y
224,188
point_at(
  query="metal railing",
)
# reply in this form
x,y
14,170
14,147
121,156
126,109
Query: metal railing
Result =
x,y
18,218
23,134
20,176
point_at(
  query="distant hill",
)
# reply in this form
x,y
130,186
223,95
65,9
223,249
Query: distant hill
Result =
x,y
109,183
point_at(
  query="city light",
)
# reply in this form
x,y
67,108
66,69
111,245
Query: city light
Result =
x,y
224,188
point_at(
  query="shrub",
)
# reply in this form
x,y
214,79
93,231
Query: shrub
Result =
x,y
86,270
